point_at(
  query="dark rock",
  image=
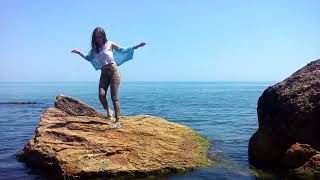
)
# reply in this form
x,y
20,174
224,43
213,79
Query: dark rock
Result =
x,y
288,112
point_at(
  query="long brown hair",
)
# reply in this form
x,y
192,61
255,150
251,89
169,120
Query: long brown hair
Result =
x,y
94,45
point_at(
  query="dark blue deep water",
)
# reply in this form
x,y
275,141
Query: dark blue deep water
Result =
x,y
225,112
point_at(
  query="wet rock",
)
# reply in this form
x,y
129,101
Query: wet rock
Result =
x,y
310,170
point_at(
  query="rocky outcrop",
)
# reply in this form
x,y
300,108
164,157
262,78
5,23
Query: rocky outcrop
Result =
x,y
74,141
288,113
297,155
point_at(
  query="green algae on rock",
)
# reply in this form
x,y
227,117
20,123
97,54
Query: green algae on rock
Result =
x,y
73,140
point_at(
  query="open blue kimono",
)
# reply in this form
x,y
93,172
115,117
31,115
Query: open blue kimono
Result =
x,y
120,55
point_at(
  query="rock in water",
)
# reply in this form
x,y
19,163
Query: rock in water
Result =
x,y
297,155
288,112
73,140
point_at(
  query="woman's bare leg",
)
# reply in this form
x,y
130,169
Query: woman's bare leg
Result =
x,y
114,87
103,87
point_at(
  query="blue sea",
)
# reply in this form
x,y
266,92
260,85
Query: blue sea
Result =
x,y
225,112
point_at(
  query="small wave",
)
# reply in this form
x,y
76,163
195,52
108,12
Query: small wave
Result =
x,y
18,102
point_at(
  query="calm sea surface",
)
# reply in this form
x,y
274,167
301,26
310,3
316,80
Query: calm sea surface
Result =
x,y
225,112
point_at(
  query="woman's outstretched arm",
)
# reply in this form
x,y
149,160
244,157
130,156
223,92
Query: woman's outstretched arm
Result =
x,y
87,57
134,47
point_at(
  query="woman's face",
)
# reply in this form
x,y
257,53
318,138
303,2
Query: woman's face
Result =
x,y
99,38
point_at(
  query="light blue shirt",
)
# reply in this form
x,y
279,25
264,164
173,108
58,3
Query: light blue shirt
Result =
x,y
120,55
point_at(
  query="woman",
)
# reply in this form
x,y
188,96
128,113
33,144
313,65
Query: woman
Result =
x,y
102,56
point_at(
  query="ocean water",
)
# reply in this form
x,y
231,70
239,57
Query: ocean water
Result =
x,y
225,112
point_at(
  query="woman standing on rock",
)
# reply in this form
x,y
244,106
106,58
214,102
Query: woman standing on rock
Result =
x,y
107,56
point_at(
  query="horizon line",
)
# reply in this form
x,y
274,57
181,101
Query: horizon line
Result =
x,y
146,81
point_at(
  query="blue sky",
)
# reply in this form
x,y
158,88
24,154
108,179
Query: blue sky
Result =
x,y
186,40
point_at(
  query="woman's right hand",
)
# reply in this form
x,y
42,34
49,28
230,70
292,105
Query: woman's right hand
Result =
x,y
139,45
76,52
142,44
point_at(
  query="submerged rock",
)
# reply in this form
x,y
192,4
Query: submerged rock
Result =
x,y
288,113
310,170
73,140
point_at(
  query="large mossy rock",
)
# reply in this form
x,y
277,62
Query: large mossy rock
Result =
x,y
73,140
288,113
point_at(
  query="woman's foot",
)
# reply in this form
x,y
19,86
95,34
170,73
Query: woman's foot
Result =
x,y
116,125
109,114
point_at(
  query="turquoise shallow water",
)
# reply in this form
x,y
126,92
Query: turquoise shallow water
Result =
x,y
225,112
